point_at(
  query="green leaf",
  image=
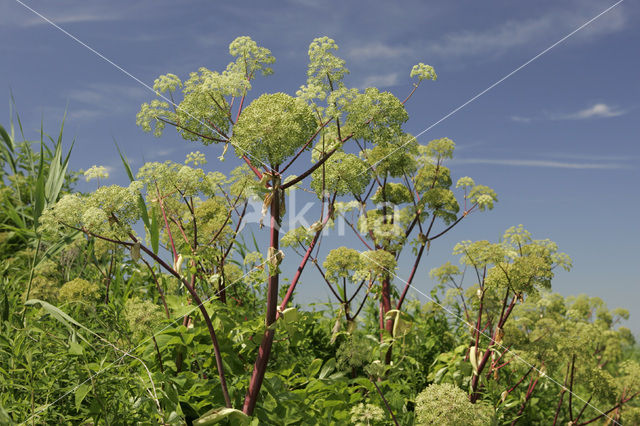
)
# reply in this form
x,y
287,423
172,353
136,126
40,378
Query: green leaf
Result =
x,y
211,417
290,315
125,162
75,348
402,322
329,366
7,139
8,151
59,315
40,194
314,367
57,170
81,393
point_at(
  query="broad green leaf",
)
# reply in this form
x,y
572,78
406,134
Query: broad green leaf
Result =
x,y
314,367
75,348
81,393
329,366
290,315
402,322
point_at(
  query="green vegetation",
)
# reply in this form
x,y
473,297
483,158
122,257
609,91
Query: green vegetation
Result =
x,y
189,323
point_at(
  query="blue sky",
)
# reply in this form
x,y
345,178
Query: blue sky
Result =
x,y
558,140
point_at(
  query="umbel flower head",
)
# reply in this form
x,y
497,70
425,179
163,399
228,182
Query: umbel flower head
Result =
x,y
365,415
79,290
448,405
142,315
273,127
96,172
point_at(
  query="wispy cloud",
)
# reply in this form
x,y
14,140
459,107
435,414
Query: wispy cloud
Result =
x,y
594,157
73,18
518,33
100,100
377,50
161,153
13,14
382,80
519,119
542,163
600,110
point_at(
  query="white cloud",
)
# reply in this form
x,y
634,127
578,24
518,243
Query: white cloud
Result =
x,y
596,111
541,163
161,153
377,50
382,80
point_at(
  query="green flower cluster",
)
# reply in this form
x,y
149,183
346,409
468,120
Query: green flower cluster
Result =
x,y
448,405
518,262
394,193
354,266
354,352
344,174
367,415
79,290
273,127
96,172
143,316
110,211
375,116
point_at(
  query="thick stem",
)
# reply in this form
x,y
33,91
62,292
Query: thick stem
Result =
x,y
413,273
512,388
573,362
222,291
260,366
385,306
252,167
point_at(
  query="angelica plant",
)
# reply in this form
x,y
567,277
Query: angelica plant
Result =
x,y
355,137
